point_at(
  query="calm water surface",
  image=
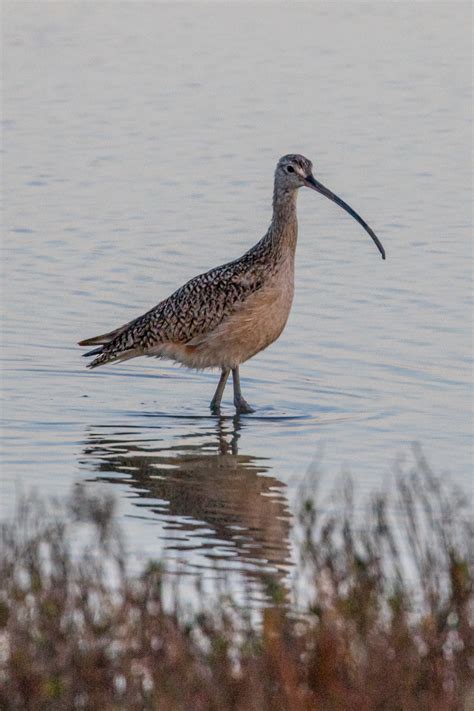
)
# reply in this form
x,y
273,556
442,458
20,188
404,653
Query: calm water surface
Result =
x,y
139,146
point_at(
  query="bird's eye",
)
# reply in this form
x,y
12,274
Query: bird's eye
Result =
x,y
290,169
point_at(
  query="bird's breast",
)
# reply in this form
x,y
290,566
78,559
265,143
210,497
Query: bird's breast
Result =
x,y
255,323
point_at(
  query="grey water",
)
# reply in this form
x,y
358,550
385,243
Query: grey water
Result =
x,y
139,142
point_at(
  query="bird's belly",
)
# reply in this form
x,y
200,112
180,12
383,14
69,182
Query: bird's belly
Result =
x,y
254,325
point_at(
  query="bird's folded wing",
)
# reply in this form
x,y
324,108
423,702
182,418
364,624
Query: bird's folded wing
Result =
x,y
191,312
198,306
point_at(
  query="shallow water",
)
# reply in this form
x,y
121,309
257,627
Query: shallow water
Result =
x,y
139,146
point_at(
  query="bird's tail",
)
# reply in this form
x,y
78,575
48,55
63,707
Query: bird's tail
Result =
x,y
102,339
106,354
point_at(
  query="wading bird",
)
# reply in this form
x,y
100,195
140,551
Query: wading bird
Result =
x,y
222,318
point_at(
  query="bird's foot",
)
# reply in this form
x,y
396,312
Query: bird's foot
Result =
x,y
215,407
242,407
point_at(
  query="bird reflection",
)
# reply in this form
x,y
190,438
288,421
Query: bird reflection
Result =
x,y
212,499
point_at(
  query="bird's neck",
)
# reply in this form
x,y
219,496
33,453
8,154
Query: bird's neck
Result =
x,y
283,231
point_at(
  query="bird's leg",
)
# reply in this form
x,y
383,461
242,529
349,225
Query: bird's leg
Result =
x,y
216,400
241,405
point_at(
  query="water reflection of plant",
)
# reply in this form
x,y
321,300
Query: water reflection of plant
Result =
x,y
369,639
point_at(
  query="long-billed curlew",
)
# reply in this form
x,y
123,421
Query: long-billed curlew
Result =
x,y
222,318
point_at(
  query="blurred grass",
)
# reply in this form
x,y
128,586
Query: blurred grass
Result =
x,y
389,625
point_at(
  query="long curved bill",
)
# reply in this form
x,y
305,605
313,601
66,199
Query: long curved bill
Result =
x,y
312,183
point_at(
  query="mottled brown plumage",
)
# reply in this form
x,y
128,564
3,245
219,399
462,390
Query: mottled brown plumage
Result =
x,y
225,316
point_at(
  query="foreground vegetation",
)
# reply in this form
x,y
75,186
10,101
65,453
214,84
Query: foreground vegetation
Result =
x,y
389,626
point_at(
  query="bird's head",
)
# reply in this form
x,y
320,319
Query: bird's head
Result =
x,y
294,171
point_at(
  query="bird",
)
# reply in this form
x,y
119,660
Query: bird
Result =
x,y
225,316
